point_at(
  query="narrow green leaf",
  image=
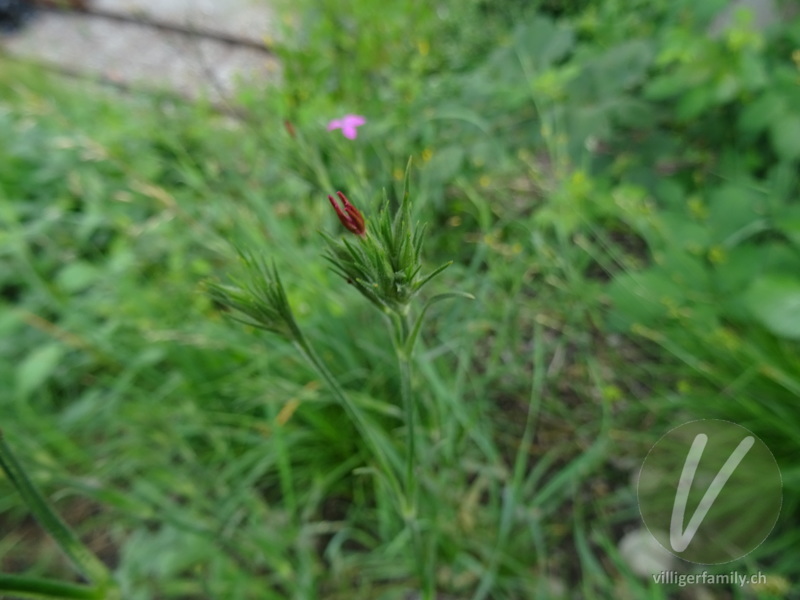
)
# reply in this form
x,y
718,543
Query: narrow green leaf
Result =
x,y
412,338
37,367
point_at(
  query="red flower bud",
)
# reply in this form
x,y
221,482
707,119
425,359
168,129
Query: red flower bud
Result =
x,y
350,217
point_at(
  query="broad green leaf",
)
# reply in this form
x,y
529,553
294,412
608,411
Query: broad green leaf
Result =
x,y
622,67
640,298
695,101
542,42
588,121
681,233
788,223
774,301
687,272
726,88
733,213
785,134
738,267
78,276
761,112
753,70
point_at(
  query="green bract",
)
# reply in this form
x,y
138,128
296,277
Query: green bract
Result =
x,y
385,264
259,300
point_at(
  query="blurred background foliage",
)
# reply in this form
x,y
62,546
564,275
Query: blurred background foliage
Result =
x,y
617,182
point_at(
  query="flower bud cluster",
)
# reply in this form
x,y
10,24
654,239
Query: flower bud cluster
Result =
x,y
384,263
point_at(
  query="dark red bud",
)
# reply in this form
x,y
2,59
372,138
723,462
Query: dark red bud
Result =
x,y
349,215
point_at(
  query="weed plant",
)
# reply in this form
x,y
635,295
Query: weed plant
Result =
x,y
615,186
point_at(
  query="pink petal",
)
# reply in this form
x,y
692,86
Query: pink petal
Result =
x,y
335,124
354,120
349,132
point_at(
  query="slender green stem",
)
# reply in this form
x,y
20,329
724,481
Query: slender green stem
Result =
x,y
83,559
401,336
29,587
404,367
367,430
422,553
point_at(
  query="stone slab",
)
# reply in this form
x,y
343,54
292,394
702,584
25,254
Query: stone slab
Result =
x,y
765,13
132,53
246,19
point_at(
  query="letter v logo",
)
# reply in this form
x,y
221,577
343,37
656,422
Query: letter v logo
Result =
x,y
680,539
716,503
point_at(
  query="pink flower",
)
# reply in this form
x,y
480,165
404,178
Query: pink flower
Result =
x,y
348,125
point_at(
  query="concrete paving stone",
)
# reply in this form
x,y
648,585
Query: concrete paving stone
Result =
x,y
133,54
253,20
765,14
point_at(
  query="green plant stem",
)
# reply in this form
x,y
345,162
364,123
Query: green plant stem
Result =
x,y
401,338
83,559
29,587
404,368
407,494
388,467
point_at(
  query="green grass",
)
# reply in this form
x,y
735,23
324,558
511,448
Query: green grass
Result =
x,y
202,459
